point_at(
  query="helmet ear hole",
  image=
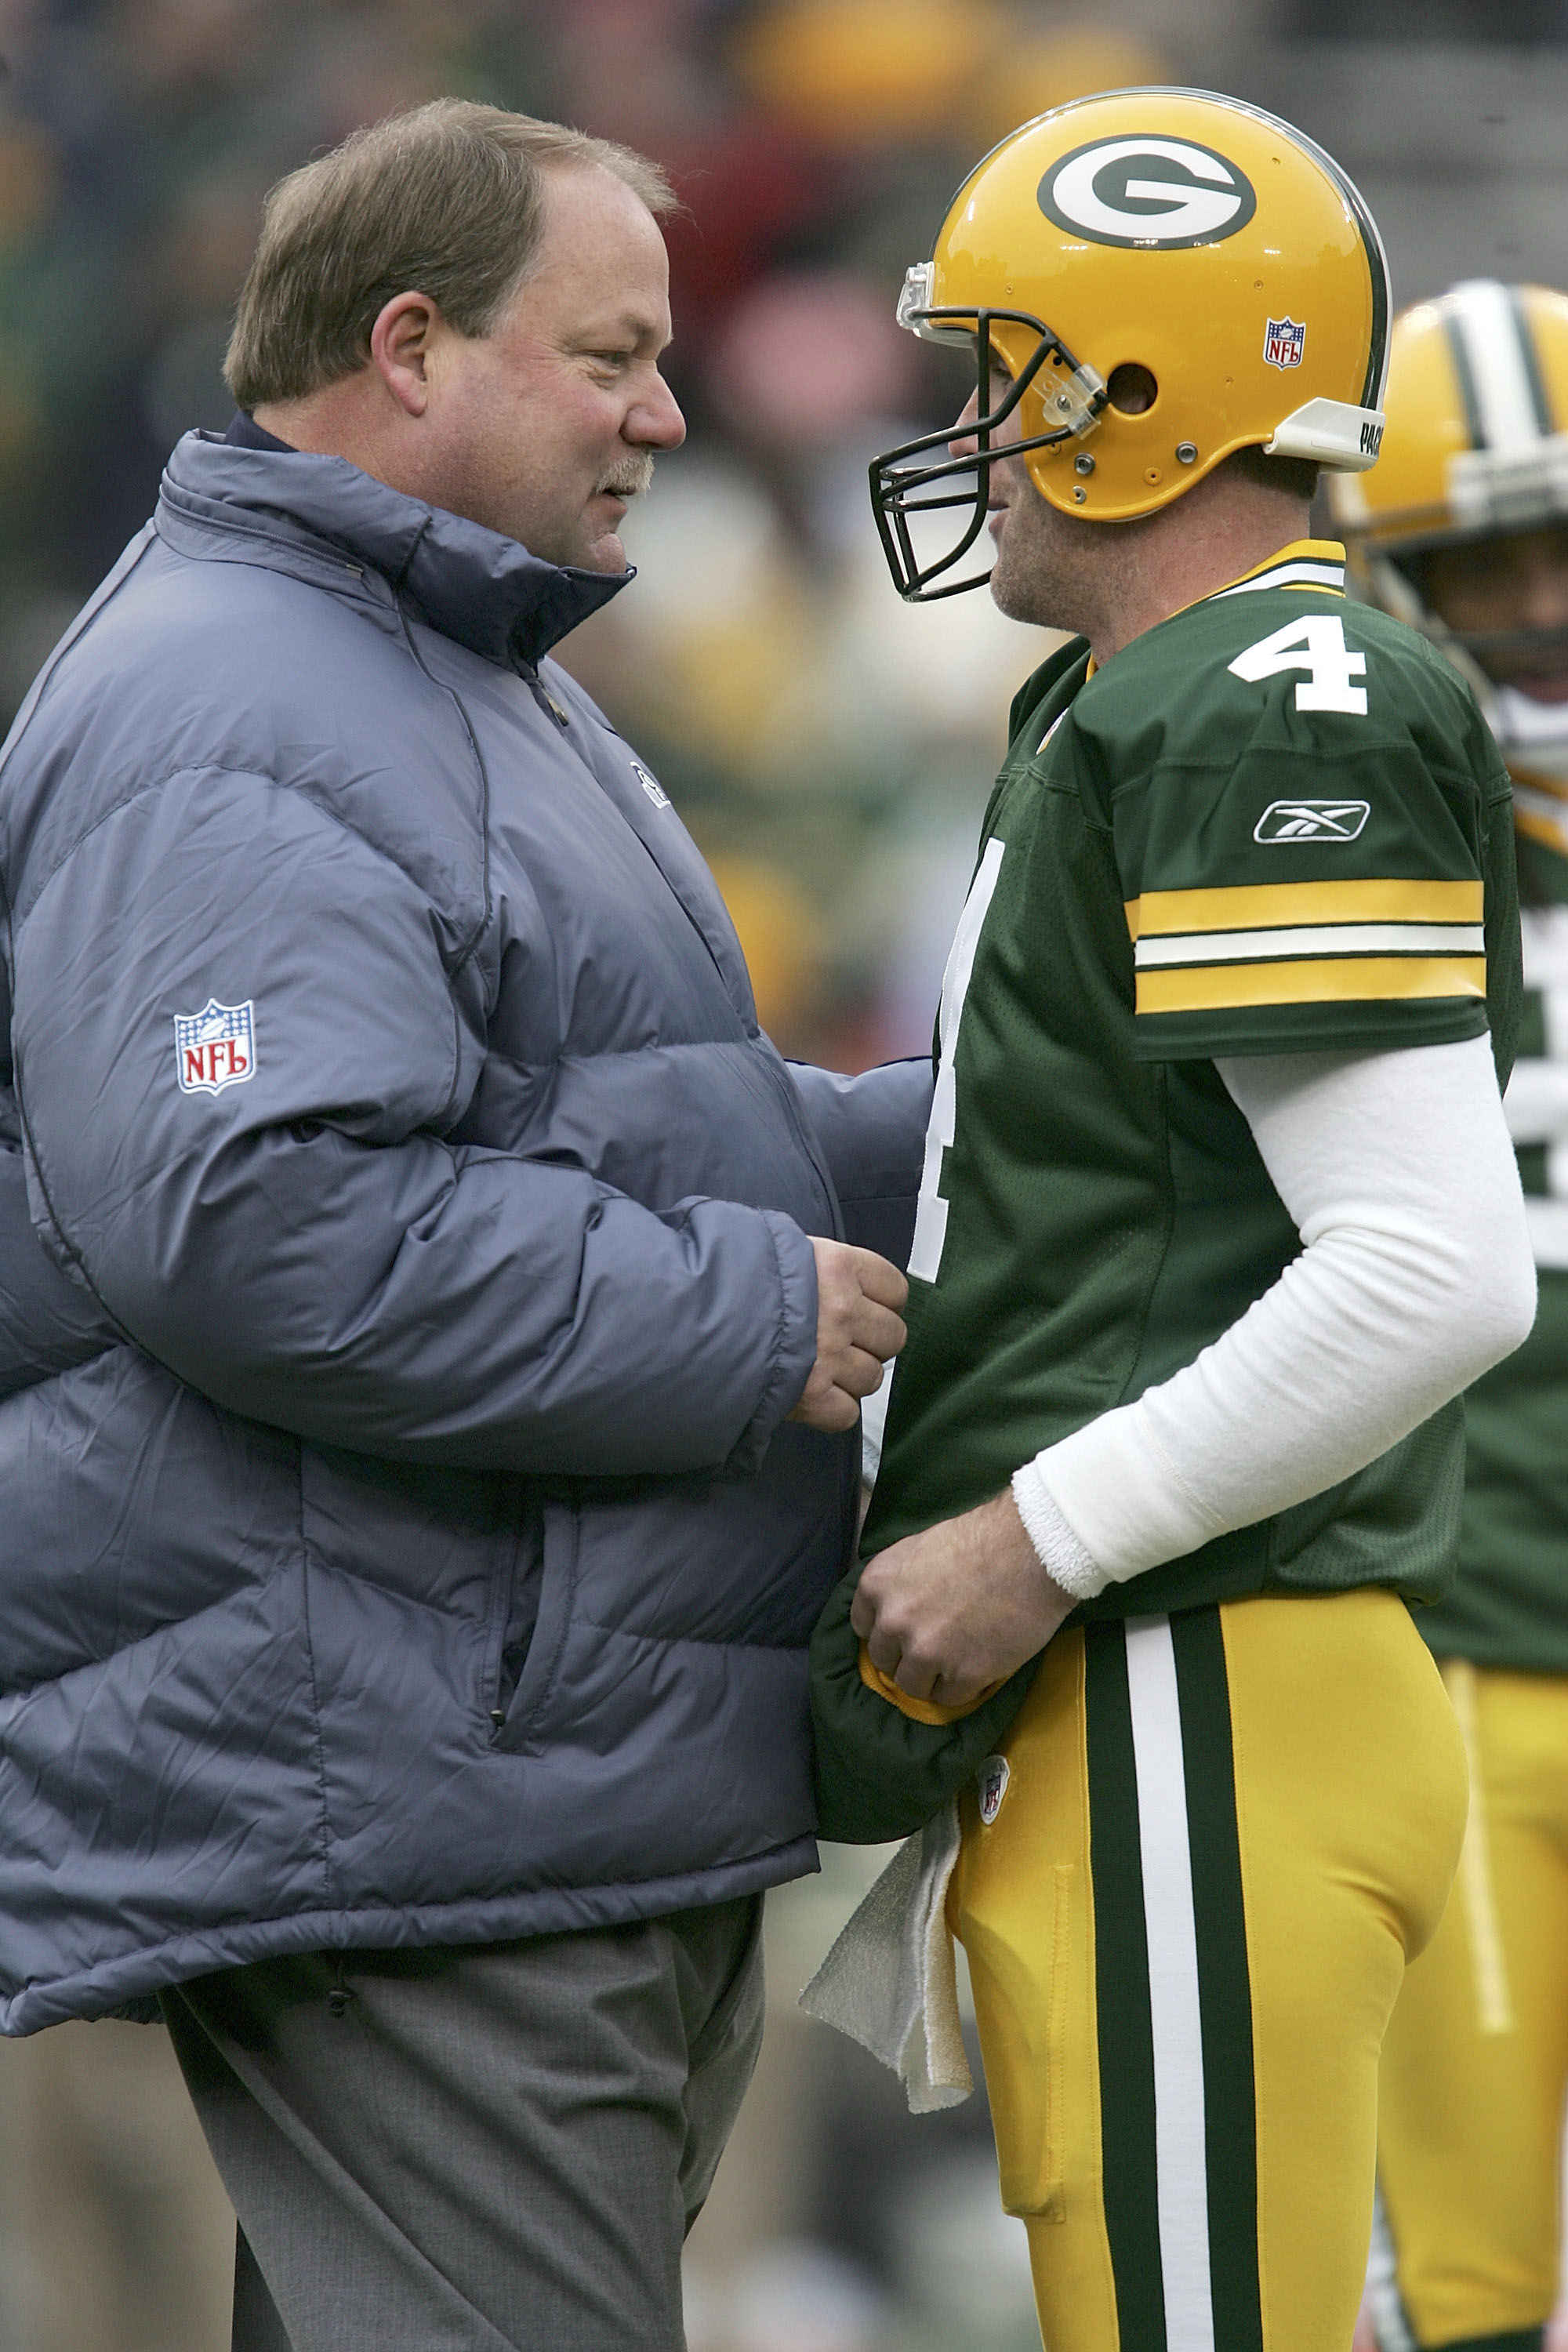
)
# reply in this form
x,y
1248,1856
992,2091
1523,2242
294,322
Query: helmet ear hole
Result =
x,y
1132,388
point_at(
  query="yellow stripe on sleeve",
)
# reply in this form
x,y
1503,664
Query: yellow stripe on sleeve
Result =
x,y
1217,988
1255,906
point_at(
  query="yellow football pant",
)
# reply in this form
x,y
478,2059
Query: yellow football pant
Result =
x,y
1222,1835
1476,2064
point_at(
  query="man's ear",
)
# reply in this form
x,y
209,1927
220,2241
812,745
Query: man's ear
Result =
x,y
400,344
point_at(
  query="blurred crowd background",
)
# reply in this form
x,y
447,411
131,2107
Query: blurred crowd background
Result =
x,y
830,747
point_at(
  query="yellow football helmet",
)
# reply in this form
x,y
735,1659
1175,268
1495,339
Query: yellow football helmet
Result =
x,y
1166,276
1476,447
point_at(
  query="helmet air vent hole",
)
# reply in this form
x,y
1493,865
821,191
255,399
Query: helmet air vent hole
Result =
x,y
1132,388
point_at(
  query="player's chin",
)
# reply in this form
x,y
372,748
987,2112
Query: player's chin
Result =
x,y
1015,591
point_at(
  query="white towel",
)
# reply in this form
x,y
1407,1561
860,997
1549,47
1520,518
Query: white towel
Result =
x,y
890,1981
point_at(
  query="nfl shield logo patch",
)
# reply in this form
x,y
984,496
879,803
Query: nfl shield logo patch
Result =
x,y
1282,342
993,1778
215,1047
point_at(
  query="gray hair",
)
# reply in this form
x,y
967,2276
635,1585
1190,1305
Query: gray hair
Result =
x,y
446,199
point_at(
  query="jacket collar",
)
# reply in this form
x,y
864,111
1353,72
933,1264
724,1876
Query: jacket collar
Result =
x,y
469,582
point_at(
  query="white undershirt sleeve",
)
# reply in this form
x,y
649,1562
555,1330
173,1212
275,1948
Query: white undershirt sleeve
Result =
x,y
1415,1277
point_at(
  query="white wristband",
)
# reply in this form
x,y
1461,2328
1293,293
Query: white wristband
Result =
x,y
1062,1556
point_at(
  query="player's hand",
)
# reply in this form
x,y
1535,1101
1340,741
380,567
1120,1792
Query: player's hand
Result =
x,y
958,1606
859,1327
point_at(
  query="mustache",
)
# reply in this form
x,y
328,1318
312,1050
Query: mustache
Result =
x,y
628,480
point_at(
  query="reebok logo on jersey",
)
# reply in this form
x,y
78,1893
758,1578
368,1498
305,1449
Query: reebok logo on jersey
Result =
x,y
215,1047
1139,192
1312,821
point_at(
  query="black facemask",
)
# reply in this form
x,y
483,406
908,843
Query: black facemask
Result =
x,y
901,486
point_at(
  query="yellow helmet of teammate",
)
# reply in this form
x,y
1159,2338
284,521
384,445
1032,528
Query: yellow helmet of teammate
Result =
x,y
1164,277
1476,447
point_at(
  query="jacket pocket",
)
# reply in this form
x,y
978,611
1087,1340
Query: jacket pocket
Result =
x,y
537,1623
514,1613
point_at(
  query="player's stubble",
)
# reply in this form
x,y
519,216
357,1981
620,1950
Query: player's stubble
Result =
x,y
1055,570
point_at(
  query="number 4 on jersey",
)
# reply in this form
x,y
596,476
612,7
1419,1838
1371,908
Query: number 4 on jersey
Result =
x,y
1316,645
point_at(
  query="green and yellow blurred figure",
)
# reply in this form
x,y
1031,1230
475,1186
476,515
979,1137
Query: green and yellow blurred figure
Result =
x,y
1463,531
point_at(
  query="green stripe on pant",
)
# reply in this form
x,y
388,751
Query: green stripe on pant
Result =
x,y
1225,1986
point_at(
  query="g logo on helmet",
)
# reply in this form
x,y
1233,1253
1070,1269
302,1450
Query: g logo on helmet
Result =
x,y
1165,193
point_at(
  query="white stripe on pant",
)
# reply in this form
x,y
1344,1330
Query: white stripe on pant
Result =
x,y
1180,2141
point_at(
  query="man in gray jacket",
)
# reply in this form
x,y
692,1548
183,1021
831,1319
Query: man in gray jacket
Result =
x,y
432,1433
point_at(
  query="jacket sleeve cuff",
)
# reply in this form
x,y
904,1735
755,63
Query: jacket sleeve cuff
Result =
x,y
872,1129
794,1350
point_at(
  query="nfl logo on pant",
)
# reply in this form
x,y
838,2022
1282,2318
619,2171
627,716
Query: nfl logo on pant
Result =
x,y
993,1778
1282,342
215,1047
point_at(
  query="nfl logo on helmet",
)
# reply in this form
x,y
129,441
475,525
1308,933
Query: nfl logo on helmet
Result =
x,y
215,1047
1282,342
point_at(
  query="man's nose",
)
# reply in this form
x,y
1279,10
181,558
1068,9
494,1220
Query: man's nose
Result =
x,y
656,421
964,444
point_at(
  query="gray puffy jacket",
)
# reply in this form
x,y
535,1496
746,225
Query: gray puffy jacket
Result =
x,y
400,1540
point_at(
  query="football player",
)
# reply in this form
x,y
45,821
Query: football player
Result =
x,y
1219,1214
1463,531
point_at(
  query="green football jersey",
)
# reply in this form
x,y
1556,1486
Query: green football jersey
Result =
x,y
1275,823
1510,1606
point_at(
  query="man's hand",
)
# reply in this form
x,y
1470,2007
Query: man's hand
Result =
x,y
958,1606
858,1296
